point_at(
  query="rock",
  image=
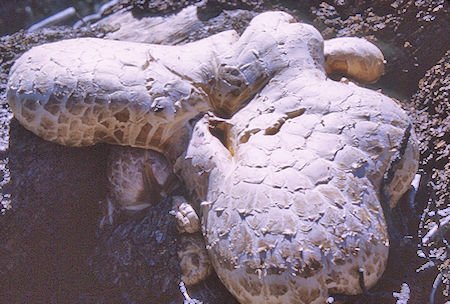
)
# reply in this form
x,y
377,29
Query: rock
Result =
x,y
49,207
173,29
47,232
137,257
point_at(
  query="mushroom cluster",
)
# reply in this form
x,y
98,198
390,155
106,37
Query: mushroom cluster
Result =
x,y
287,168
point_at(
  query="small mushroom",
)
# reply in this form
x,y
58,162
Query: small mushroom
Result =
x,y
354,57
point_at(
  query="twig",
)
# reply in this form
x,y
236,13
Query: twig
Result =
x,y
436,284
187,298
413,191
437,257
94,17
54,19
404,294
361,281
437,229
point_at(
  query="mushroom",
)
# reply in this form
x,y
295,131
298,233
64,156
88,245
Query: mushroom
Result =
x,y
288,167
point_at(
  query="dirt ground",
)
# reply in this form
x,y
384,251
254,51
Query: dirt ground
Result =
x,y
51,249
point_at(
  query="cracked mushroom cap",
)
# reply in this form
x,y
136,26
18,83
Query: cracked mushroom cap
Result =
x,y
84,91
293,208
289,168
